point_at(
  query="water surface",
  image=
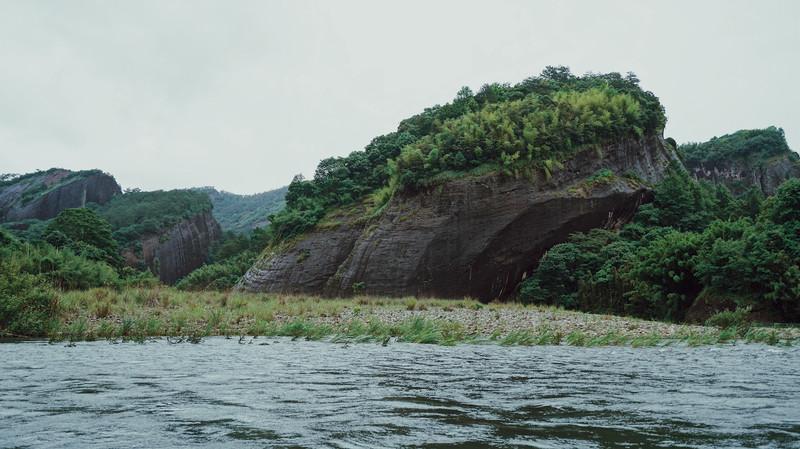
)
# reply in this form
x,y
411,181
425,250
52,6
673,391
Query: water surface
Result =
x,y
283,393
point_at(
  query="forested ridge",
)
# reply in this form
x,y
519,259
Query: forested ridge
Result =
x,y
241,214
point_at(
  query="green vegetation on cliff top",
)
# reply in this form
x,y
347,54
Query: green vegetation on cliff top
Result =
x,y
754,145
531,126
135,213
8,179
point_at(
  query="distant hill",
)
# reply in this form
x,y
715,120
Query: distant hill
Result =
x,y
42,195
243,213
758,158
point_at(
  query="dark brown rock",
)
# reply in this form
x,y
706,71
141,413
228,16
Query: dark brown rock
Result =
x,y
474,236
177,251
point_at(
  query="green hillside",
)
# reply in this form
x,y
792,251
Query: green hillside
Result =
x,y
752,144
241,214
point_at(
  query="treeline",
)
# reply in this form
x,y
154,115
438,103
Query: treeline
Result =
x,y
696,246
533,125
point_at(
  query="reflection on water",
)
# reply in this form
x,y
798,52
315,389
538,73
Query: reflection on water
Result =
x,y
280,393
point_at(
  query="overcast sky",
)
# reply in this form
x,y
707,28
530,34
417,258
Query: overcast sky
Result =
x,y
242,95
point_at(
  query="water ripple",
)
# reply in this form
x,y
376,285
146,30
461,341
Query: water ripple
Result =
x,y
314,394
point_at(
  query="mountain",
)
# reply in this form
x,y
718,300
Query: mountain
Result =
x,y
243,213
43,194
559,190
758,158
464,198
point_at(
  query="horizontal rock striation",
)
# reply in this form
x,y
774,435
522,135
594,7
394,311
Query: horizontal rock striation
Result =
x,y
473,236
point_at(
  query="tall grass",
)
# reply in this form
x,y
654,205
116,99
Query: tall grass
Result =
x,y
140,314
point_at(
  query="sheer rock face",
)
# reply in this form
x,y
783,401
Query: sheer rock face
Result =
x,y
177,251
44,195
474,236
741,174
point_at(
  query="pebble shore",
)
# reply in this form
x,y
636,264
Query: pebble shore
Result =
x,y
501,321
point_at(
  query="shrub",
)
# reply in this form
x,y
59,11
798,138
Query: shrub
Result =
x,y
565,275
61,267
731,319
218,276
784,207
27,303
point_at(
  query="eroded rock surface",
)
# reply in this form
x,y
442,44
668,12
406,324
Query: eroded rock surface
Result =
x,y
43,195
177,251
741,174
475,236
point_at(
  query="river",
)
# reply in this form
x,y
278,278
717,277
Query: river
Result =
x,y
283,393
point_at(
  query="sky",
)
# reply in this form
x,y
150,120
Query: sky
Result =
x,y
243,95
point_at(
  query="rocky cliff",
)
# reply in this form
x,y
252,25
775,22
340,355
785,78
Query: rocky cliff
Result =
x,y
43,195
474,236
178,250
740,174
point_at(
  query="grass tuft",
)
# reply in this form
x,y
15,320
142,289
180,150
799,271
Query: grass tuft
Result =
x,y
141,314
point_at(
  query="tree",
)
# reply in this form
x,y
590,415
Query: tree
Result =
x,y
27,303
662,276
77,228
683,203
784,207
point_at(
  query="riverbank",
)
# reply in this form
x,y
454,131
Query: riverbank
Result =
x,y
139,314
